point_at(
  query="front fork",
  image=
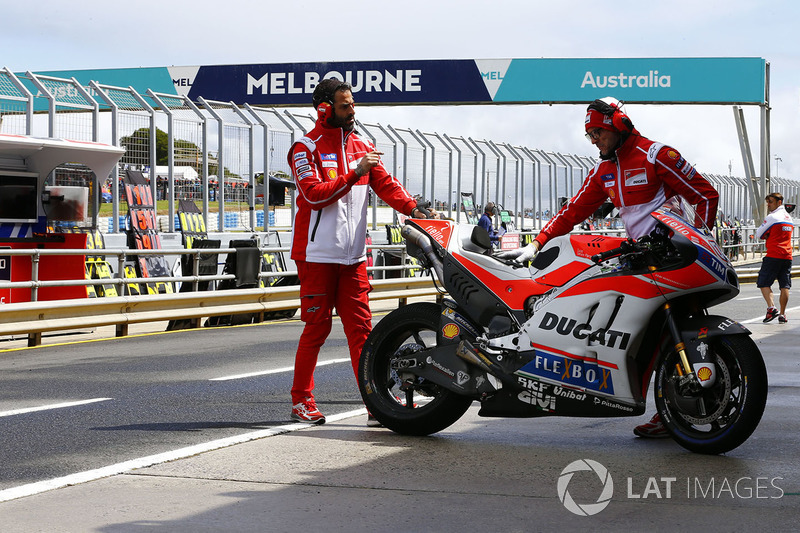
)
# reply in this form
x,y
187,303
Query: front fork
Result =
x,y
688,381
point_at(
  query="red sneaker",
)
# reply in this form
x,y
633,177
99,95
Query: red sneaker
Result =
x,y
772,313
782,319
306,411
651,430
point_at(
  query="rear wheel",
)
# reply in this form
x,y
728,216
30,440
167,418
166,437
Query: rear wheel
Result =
x,y
403,402
722,417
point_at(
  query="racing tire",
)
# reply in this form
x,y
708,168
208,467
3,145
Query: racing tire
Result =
x,y
722,417
421,407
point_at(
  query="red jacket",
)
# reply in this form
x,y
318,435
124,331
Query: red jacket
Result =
x,y
331,221
777,230
642,177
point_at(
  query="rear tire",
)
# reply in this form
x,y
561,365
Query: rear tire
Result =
x,y
722,417
420,407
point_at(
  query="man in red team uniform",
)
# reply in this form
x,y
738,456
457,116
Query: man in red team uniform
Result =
x,y
637,175
334,168
777,264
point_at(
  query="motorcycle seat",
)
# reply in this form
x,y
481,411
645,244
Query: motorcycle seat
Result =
x,y
478,241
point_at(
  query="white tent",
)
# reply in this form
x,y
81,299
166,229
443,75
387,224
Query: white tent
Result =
x,y
180,173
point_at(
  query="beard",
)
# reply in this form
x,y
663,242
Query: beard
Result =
x,y
608,156
347,123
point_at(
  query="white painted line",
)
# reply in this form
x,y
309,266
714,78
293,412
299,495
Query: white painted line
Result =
x,y
277,370
760,318
182,453
51,406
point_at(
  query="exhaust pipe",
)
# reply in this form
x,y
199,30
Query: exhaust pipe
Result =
x,y
468,353
422,240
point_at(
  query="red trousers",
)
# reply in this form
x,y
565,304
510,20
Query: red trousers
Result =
x,y
324,286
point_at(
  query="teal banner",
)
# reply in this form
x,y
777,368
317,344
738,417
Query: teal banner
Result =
x,y
662,80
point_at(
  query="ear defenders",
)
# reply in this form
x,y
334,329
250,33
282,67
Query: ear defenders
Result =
x,y
324,111
619,119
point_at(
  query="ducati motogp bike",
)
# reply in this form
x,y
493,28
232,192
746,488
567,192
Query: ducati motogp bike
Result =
x,y
582,331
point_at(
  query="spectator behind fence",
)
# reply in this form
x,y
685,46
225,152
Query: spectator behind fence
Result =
x,y
486,222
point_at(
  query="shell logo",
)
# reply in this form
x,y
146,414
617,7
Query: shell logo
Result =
x,y
332,173
450,331
672,154
704,374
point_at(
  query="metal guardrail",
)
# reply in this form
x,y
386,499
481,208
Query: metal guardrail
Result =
x,y
122,254
749,275
35,318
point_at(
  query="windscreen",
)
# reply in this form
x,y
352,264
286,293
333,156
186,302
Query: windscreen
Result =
x,y
683,209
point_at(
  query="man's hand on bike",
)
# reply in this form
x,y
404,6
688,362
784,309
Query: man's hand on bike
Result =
x,y
424,210
520,255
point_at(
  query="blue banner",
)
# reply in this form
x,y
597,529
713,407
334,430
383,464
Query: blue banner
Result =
x,y
374,82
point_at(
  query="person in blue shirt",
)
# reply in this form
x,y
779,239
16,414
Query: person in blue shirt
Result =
x,y
486,222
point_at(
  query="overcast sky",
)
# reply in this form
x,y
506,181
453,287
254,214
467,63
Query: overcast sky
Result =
x,y
57,35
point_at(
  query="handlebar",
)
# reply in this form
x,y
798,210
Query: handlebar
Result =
x,y
625,247
423,206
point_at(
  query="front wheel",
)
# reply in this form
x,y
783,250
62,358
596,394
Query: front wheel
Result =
x,y
722,417
406,403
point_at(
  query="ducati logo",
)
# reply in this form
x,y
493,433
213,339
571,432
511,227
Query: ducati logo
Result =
x,y
569,326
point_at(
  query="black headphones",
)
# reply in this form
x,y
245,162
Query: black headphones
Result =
x,y
619,119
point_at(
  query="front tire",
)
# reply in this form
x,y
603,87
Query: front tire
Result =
x,y
406,404
720,418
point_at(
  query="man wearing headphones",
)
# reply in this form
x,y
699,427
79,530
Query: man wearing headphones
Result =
x,y
486,222
334,168
637,175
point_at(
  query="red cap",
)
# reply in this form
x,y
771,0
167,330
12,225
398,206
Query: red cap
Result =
x,y
595,119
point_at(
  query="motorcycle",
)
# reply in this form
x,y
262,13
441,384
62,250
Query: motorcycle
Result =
x,y
581,332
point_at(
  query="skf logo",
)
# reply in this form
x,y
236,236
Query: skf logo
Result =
x,y
450,331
